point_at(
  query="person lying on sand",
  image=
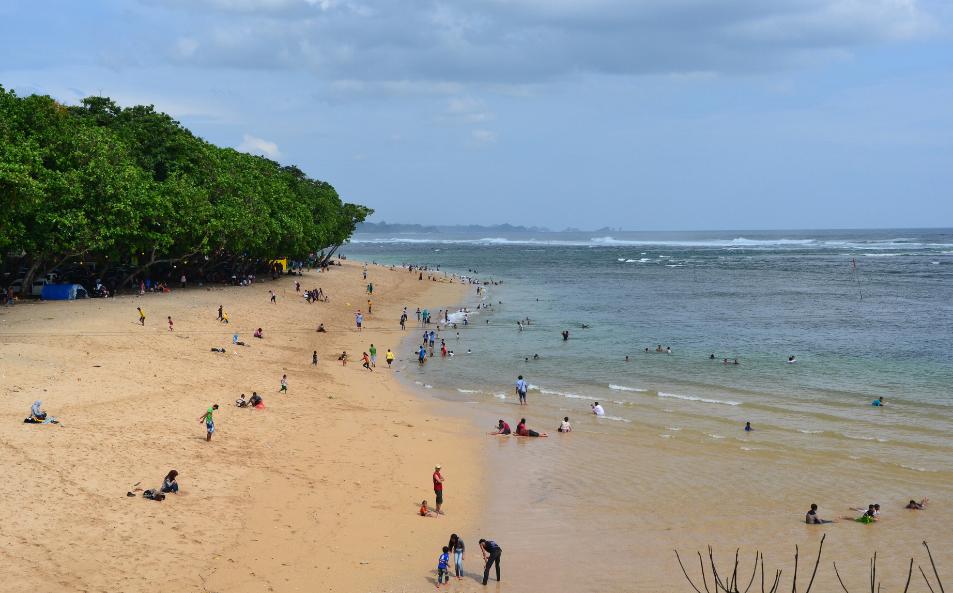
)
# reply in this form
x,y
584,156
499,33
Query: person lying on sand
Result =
x,y
522,431
918,505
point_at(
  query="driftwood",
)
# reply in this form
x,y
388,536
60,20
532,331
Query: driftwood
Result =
x,y
730,584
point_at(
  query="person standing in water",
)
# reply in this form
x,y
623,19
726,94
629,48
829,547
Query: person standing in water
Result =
x,y
521,390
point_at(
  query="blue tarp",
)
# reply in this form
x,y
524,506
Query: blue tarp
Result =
x,y
63,292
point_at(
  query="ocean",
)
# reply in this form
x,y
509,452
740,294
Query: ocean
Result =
x,y
866,314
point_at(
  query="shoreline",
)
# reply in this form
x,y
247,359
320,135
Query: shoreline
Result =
x,y
297,496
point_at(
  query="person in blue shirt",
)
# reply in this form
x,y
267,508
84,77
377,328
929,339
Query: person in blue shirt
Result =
x,y
443,573
421,356
748,427
521,390
878,402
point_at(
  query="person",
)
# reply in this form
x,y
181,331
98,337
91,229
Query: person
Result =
x,y
373,352
736,361
726,361
390,358
659,349
142,316
284,383
422,355
442,568
521,389
792,359
273,295
209,423
459,554
597,409
314,358
367,362
536,357
867,517
501,428
712,357
321,329
668,350
35,411
255,400
918,505
564,425
522,431
183,280
359,318
878,402
369,310
812,518
219,312
627,358
424,511
491,555
258,333
225,317
343,358
438,487
748,427
170,323
169,484
565,336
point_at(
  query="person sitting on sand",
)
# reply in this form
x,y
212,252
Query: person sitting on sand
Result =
x,y
258,333
169,484
321,329
522,431
502,428
425,512
37,414
564,425
918,505
813,518
255,400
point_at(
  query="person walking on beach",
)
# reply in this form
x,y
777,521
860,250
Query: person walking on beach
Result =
x,y
459,552
142,317
219,312
390,358
369,311
491,555
170,323
403,321
438,487
359,318
284,383
209,423
373,352
314,358
225,317
521,390
367,363
273,297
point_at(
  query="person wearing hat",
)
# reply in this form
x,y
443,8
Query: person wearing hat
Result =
x,y
438,487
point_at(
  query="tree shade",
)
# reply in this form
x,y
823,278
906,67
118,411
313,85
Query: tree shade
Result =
x,y
100,181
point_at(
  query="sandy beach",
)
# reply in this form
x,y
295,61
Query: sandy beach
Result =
x,y
319,491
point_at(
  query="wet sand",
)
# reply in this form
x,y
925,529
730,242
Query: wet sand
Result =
x,y
319,491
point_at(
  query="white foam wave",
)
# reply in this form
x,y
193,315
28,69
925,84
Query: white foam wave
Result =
x,y
469,391
810,431
670,428
499,395
624,388
859,438
715,436
665,436
429,386
752,448
919,469
711,243
617,418
700,399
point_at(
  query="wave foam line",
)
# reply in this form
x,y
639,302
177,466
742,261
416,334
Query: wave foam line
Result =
x,y
624,388
699,399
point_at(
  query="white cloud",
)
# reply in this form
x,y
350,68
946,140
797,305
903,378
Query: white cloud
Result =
x,y
253,145
484,136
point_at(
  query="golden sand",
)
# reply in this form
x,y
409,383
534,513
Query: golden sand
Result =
x,y
318,492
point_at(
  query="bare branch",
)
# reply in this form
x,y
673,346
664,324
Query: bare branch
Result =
x,y
685,572
820,548
938,581
839,579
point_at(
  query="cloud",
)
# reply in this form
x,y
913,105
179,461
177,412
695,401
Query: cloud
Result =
x,y
466,109
484,137
253,145
384,46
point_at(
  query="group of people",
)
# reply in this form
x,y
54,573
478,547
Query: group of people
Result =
x,y
869,515
521,430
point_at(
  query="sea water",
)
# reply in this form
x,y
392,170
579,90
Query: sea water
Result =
x,y
866,314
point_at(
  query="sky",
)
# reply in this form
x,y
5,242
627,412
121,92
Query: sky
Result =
x,y
633,114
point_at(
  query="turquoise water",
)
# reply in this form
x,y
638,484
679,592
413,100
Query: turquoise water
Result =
x,y
881,329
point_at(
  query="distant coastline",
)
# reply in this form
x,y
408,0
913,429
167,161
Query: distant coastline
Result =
x,y
383,227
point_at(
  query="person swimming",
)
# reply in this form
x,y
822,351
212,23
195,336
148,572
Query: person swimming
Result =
x,y
918,505
792,359
748,427
712,357
879,402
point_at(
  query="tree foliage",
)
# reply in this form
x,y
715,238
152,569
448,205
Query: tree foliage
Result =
x,y
99,180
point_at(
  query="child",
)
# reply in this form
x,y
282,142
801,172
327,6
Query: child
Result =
x,y
314,358
142,316
170,324
442,571
284,383
367,363
424,511
225,317
390,358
